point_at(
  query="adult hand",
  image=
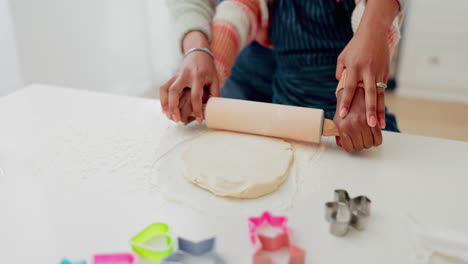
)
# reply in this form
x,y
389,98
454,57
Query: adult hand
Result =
x,y
355,133
366,58
196,71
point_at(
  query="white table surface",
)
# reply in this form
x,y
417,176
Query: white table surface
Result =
x,y
63,195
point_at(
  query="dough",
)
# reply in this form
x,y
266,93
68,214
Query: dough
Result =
x,y
237,165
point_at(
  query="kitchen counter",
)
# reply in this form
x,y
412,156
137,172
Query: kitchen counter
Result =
x,y
76,169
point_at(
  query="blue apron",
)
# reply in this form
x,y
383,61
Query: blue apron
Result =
x,y
300,70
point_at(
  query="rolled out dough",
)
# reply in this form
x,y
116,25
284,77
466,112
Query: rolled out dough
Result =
x,y
237,165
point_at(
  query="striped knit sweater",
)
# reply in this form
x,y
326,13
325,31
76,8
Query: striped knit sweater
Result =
x,y
238,22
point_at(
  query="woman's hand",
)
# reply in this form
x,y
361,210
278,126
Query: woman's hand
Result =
x,y
355,133
366,58
196,71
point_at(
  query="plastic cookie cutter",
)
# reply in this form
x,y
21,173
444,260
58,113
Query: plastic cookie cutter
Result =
x,y
344,212
273,243
119,258
66,261
189,250
153,243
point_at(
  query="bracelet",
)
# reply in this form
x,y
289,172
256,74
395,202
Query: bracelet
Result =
x,y
199,49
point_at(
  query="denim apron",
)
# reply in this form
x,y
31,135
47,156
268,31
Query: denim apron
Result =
x,y
307,37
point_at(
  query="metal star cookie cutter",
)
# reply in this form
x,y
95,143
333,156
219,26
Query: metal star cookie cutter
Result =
x,y
344,212
273,243
189,249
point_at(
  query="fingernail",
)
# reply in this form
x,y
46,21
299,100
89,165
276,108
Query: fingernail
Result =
x,y
382,123
372,121
199,120
343,112
174,118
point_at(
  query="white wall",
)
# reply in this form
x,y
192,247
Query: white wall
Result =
x,y
127,47
10,78
91,44
434,56
165,51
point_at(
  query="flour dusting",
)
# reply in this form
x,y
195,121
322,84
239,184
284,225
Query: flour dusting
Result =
x,y
167,178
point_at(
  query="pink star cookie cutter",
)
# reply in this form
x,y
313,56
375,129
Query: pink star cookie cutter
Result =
x,y
273,243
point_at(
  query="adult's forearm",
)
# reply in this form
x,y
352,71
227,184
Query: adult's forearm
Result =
x,y
191,15
379,15
195,39
374,18
235,25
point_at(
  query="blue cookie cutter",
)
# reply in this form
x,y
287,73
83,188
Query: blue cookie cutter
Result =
x,y
189,249
66,261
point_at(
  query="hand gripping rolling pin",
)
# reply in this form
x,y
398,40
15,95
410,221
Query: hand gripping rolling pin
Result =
x,y
273,120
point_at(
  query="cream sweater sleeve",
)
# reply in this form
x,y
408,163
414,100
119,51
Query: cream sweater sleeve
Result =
x,y
190,15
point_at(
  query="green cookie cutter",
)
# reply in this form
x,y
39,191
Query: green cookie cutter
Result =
x,y
141,243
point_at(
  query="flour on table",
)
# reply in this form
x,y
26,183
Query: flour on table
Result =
x,y
167,179
237,165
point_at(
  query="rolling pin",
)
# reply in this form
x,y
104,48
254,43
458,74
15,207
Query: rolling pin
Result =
x,y
273,120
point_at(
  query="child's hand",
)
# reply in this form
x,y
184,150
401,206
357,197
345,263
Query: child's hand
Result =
x,y
185,107
355,133
196,71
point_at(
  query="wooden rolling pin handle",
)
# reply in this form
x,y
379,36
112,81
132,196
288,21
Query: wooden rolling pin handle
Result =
x,y
329,128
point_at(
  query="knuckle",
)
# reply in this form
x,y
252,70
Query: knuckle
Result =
x,y
366,62
172,89
347,127
356,122
362,121
349,85
200,74
370,89
345,101
196,93
371,108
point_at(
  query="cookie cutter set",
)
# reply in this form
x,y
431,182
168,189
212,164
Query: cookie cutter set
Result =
x,y
189,249
141,244
342,213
